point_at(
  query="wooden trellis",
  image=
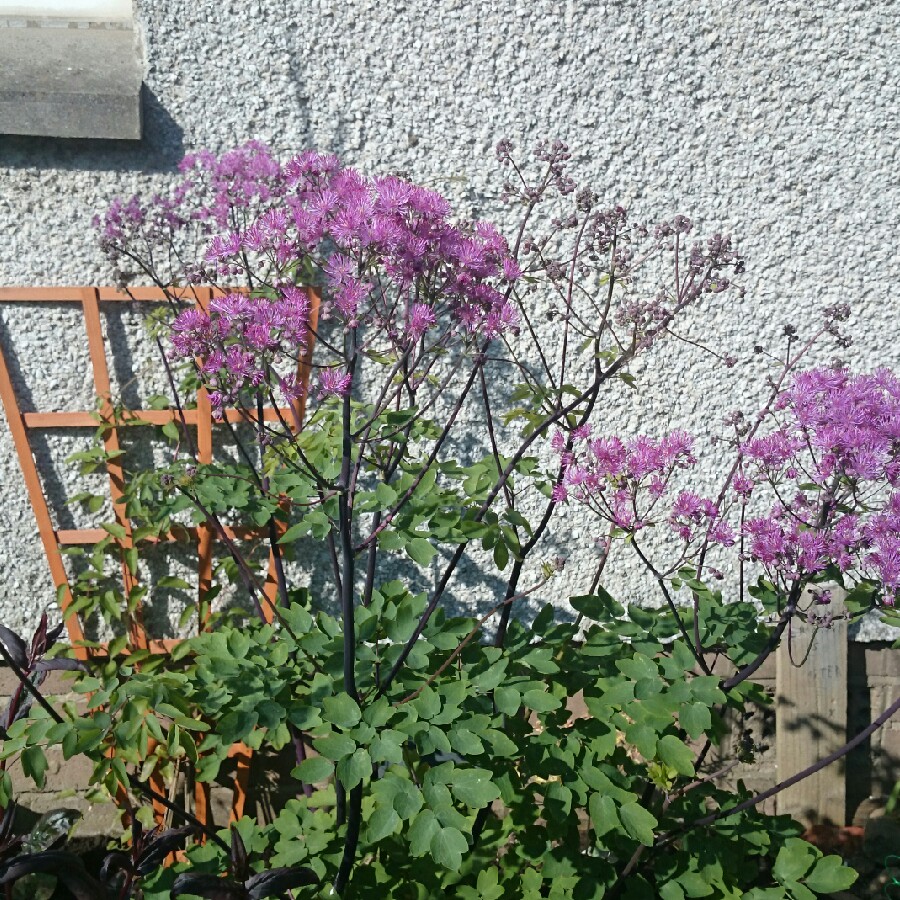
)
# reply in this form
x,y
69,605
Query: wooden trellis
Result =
x,y
200,418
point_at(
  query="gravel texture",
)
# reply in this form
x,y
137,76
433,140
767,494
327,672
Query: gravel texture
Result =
x,y
775,122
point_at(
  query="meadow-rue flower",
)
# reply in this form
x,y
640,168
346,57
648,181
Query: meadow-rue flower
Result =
x,y
334,383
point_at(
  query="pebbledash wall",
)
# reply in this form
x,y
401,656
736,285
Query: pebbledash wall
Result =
x,y
773,121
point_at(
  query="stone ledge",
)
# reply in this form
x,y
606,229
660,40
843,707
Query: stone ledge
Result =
x,y
72,83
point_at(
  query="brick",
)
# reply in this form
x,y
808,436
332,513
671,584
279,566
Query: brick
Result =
x,y
56,684
99,819
220,799
62,774
8,682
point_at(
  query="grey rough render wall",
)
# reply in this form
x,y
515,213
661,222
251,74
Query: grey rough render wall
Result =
x,y
774,121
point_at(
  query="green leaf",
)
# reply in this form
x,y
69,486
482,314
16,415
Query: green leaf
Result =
x,y
421,832
447,848
705,689
473,787
421,551
671,890
387,746
353,769
488,887
295,532
428,703
676,754
694,884
342,710
93,501
798,891
501,745
304,717
638,822
544,619
794,860
643,737
385,495
540,659
463,741
599,606
644,618
335,746
34,765
765,894
408,798
115,529
170,581
313,770
617,694
638,667
391,540
130,558
190,724
382,823
602,810
507,700
695,719
541,701
830,875
491,677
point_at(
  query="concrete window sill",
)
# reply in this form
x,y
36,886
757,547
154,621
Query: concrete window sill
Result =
x,y
70,82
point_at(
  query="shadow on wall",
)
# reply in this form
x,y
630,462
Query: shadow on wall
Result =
x,y
160,149
42,443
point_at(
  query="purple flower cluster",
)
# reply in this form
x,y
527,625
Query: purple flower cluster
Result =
x,y
215,193
829,475
607,254
627,483
241,179
834,468
389,257
394,259
243,342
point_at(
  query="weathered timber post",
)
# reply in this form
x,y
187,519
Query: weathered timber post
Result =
x,y
811,711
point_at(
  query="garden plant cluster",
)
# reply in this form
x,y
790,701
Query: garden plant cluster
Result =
x,y
437,754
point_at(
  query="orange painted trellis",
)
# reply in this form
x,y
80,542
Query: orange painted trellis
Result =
x,y
53,540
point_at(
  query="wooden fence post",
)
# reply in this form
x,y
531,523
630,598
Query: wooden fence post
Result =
x,y
811,712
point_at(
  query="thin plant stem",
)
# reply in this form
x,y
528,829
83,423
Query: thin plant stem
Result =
x,y
348,557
